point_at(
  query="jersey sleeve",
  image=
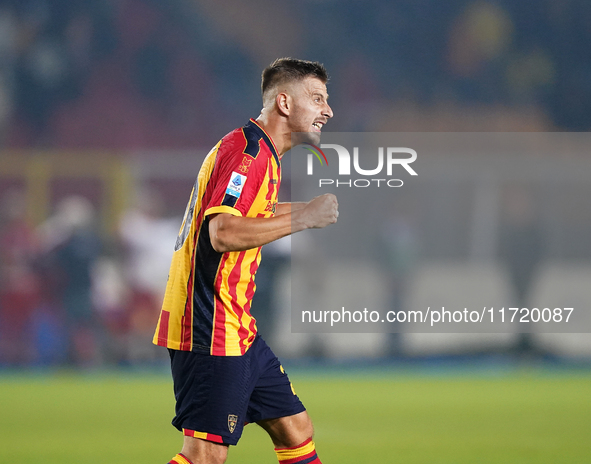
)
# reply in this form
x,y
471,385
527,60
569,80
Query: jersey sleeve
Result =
x,y
236,182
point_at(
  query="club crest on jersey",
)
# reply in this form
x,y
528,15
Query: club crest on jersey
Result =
x,y
235,185
232,420
245,165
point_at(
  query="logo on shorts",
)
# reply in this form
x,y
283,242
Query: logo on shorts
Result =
x,y
232,420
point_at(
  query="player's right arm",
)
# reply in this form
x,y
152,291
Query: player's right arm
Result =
x,y
237,233
284,208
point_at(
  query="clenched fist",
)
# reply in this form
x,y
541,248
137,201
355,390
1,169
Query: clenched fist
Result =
x,y
320,212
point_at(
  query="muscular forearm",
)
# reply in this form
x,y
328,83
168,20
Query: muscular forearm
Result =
x,y
285,208
236,233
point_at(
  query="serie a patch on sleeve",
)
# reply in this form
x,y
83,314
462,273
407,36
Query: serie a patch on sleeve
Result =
x,y
235,185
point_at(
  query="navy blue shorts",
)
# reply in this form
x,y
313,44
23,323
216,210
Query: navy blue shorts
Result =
x,y
217,395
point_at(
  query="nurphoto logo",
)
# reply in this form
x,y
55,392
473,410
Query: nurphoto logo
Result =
x,y
387,157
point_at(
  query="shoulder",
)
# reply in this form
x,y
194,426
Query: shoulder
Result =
x,y
250,141
233,141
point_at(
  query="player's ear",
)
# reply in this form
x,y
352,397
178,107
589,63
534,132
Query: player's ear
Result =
x,y
283,102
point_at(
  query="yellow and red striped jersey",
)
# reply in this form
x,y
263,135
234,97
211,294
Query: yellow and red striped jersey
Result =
x,y
209,294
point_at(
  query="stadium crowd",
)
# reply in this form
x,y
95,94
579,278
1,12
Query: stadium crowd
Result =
x,y
70,297
144,73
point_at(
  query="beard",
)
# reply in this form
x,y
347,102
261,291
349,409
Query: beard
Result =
x,y
311,138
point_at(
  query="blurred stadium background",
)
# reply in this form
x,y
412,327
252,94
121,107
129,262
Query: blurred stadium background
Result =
x,y
107,109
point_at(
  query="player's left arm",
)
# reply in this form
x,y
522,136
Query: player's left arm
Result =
x,y
286,208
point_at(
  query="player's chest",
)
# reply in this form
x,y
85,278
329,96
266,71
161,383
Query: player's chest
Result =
x,y
267,198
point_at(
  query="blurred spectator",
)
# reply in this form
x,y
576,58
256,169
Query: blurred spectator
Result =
x,y
397,252
480,34
522,249
361,90
478,40
8,33
19,289
148,237
71,247
110,297
264,304
530,75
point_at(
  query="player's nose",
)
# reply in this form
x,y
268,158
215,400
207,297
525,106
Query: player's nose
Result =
x,y
327,111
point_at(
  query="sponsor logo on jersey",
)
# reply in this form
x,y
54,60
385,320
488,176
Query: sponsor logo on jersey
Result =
x,y
271,206
236,184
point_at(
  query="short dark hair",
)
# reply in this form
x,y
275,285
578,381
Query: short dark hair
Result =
x,y
289,69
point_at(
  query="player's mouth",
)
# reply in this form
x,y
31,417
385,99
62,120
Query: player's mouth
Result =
x,y
317,125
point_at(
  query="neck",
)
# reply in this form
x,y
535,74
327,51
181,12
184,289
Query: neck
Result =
x,y
277,130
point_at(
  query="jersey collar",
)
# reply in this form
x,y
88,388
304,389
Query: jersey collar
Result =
x,y
255,125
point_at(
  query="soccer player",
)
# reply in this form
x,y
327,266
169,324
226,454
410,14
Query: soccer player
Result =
x,y
224,374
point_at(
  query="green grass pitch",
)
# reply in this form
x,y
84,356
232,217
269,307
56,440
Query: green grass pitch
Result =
x,y
360,417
